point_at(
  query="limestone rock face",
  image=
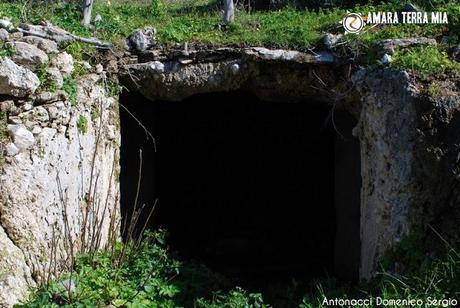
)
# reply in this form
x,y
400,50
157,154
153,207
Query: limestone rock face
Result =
x,y
14,272
22,138
55,76
409,155
16,80
5,23
28,55
53,168
59,161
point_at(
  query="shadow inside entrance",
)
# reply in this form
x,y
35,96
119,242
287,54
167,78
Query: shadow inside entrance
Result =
x,y
247,187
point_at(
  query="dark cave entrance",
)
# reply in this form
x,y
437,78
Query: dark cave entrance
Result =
x,y
259,191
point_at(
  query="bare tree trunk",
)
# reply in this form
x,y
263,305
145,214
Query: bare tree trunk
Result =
x,y
87,7
229,11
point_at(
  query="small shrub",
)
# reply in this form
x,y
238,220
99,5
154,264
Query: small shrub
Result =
x,y
130,276
80,51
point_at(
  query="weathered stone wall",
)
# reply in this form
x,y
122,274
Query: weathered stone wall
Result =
x,y
59,168
387,132
409,153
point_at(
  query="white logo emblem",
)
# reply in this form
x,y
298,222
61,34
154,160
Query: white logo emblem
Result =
x,y
353,23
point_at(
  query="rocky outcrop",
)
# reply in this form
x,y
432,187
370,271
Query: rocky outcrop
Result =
x,y
58,167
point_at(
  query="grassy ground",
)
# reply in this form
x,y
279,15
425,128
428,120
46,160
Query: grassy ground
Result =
x,y
179,21
197,21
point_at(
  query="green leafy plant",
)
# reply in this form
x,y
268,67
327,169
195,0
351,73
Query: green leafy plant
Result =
x,y
124,277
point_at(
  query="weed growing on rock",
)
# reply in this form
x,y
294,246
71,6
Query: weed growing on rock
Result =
x,y
71,88
111,86
3,131
46,83
434,90
79,70
82,124
95,112
7,50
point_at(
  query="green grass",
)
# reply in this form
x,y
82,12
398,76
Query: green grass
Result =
x,y
197,22
426,60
